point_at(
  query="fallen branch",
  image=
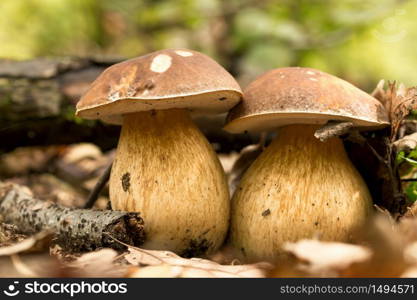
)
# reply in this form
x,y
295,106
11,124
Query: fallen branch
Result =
x,y
333,129
75,229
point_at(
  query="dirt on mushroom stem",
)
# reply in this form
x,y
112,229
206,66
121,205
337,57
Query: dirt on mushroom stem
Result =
x,y
309,189
166,169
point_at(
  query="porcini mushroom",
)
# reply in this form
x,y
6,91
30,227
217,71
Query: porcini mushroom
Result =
x,y
299,187
164,167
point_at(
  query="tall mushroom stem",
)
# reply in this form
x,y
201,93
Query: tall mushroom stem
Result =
x,y
166,169
297,188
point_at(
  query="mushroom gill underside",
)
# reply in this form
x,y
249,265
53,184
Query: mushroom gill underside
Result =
x,y
297,188
167,170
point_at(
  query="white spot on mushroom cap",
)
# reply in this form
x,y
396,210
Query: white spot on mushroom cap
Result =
x,y
183,53
311,73
161,63
313,79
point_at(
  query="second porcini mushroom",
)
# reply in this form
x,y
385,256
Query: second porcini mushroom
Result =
x,y
164,167
299,187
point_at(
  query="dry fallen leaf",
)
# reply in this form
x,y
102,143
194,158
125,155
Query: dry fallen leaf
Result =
x,y
27,159
227,160
245,158
101,263
29,265
410,273
50,187
26,244
82,162
327,258
168,264
77,152
398,100
407,143
407,228
411,211
410,253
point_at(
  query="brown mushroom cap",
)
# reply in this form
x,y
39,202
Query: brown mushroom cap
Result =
x,y
172,78
297,95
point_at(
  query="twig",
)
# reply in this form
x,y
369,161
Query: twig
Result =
x,y
92,198
332,129
380,158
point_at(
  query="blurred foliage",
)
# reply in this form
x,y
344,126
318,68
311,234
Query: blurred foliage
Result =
x,y
411,191
408,164
361,41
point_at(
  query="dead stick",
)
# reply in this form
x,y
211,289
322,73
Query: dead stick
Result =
x,y
332,129
75,229
98,187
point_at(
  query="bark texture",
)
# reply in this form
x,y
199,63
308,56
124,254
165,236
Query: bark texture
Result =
x,y
75,229
37,103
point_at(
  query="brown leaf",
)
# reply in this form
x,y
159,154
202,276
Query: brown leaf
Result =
x,y
83,164
28,159
168,264
49,187
327,258
407,143
383,236
227,161
379,92
25,244
410,273
101,263
411,211
398,100
76,152
410,253
29,265
245,158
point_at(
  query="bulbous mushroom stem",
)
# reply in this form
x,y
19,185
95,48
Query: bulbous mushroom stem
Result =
x,y
297,188
166,169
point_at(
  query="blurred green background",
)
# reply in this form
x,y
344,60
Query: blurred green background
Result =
x,y
361,41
